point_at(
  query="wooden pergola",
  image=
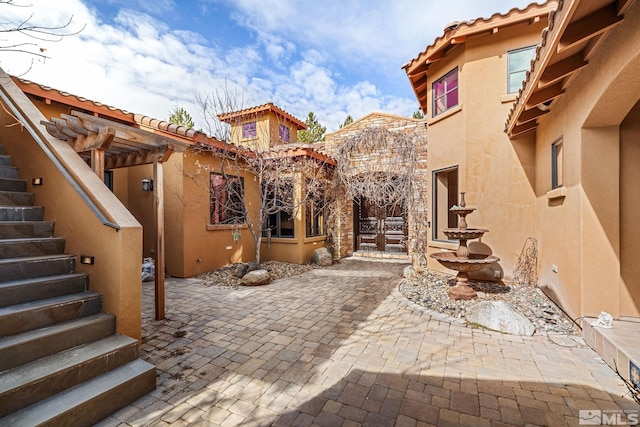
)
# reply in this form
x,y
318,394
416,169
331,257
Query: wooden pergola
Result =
x,y
105,144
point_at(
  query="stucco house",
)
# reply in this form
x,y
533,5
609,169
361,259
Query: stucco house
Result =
x,y
555,185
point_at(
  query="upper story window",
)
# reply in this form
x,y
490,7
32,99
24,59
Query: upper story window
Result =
x,y
283,133
249,130
519,63
226,199
445,92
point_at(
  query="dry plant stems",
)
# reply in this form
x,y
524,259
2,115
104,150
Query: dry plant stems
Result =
x,y
29,36
525,271
380,165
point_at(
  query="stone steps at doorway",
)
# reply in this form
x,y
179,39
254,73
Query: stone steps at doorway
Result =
x,y
619,346
395,256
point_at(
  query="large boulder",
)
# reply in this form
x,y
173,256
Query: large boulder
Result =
x,y
256,278
500,316
322,257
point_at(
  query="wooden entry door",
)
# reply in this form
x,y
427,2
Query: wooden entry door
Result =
x,y
379,228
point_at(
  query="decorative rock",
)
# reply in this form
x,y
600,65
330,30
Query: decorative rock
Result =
x,y
256,278
500,316
409,272
241,270
322,257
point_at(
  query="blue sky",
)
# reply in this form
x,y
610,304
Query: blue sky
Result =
x,y
332,57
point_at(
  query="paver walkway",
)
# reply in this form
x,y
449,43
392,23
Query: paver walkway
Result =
x,y
340,346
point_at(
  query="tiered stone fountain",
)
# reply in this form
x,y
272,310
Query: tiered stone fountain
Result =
x,y
462,260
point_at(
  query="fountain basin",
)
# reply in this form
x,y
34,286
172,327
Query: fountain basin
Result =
x,y
474,263
464,234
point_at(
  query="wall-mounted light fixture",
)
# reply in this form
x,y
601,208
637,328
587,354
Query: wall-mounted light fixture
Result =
x,y
36,181
236,235
147,184
87,259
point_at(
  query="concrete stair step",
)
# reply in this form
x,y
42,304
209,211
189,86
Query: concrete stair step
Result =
x,y
5,160
88,403
29,247
32,289
11,184
16,350
18,229
21,213
43,378
31,315
16,198
9,172
30,267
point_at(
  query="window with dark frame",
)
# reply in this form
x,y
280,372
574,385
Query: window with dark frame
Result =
x,y
226,199
518,63
249,130
108,180
283,133
445,195
279,197
556,164
314,214
445,92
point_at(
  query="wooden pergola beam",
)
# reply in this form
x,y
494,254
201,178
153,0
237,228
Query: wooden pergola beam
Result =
x,y
522,129
590,26
529,115
544,95
556,72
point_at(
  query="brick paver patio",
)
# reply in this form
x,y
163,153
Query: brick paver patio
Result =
x,y
340,346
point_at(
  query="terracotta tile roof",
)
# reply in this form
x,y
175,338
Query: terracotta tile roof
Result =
x,y
457,33
239,115
113,113
456,30
557,62
315,150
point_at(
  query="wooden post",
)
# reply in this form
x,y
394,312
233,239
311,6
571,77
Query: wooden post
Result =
x,y
97,162
158,198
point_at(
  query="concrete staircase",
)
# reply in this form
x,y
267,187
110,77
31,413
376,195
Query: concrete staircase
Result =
x,y
61,362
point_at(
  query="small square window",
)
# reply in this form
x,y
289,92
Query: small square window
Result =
x,y
248,130
519,62
283,133
445,92
556,164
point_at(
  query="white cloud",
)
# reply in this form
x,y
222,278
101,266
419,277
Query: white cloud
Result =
x,y
327,57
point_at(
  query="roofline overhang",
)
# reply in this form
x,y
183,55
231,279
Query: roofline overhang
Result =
x,y
544,81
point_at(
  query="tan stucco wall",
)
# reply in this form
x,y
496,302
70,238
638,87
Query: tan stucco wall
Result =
x,y
588,234
496,174
267,127
116,272
200,246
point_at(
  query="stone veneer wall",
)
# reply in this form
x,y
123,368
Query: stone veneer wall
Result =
x,y
343,232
